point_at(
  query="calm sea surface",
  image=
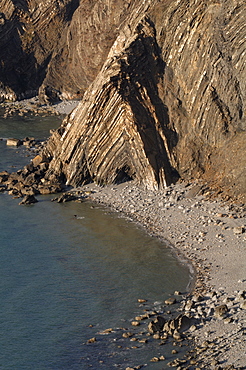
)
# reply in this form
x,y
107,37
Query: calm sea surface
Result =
x,y
63,280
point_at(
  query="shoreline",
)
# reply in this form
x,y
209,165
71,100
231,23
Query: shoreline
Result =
x,y
32,106
210,237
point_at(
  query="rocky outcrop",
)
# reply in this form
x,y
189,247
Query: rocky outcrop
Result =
x,y
30,30
163,86
56,48
85,44
169,96
203,46
120,129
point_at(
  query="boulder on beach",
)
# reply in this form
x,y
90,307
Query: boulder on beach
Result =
x,y
14,142
36,161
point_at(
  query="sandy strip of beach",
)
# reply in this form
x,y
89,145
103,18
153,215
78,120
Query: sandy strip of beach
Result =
x,y
211,236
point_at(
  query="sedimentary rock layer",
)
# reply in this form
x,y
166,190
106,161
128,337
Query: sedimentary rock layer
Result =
x,y
30,30
120,128
186,89
169,95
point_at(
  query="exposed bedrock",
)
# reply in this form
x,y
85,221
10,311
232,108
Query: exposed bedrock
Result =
x,y
120,129
30,30
203,45
56,48
171,95
85,44
163,86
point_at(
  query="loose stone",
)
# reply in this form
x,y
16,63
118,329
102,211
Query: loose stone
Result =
x,y
92,340
170,301
155,359
135,323
127,335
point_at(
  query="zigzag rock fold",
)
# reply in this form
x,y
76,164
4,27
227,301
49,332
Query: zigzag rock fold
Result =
x,y
119,129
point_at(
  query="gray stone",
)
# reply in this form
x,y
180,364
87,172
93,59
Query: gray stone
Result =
x,y
221,310
239,230
243,305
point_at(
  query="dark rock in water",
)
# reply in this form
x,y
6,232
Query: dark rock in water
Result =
x,y
92,340
4,175
49,189
3,188
28,190
156,325
28,199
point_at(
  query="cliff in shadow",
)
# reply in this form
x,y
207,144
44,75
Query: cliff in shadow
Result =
x,y
162,89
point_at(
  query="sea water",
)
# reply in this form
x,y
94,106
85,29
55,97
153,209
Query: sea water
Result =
x,y
66,279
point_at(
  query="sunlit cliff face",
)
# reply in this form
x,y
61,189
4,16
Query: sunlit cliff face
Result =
x,y
163,87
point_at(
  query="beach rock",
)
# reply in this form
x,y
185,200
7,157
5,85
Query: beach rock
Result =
x,y
92,340
156,325
243,305
192,328
189,305
66,197
170,301
176,335
221,310
38,160
241,295
28,199
14,142
239,230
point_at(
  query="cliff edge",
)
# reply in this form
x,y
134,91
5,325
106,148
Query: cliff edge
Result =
x,y
162,88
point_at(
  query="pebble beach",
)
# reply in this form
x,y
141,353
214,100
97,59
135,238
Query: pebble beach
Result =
x,y
210,236
207,234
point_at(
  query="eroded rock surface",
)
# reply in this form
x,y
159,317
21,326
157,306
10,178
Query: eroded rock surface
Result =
x,y
120,129
30,30
164,85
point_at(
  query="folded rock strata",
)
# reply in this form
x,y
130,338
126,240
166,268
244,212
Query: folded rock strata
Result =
x,y
167,91
120,129
30,31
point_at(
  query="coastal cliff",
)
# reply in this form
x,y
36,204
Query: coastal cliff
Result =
x,y
161,83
